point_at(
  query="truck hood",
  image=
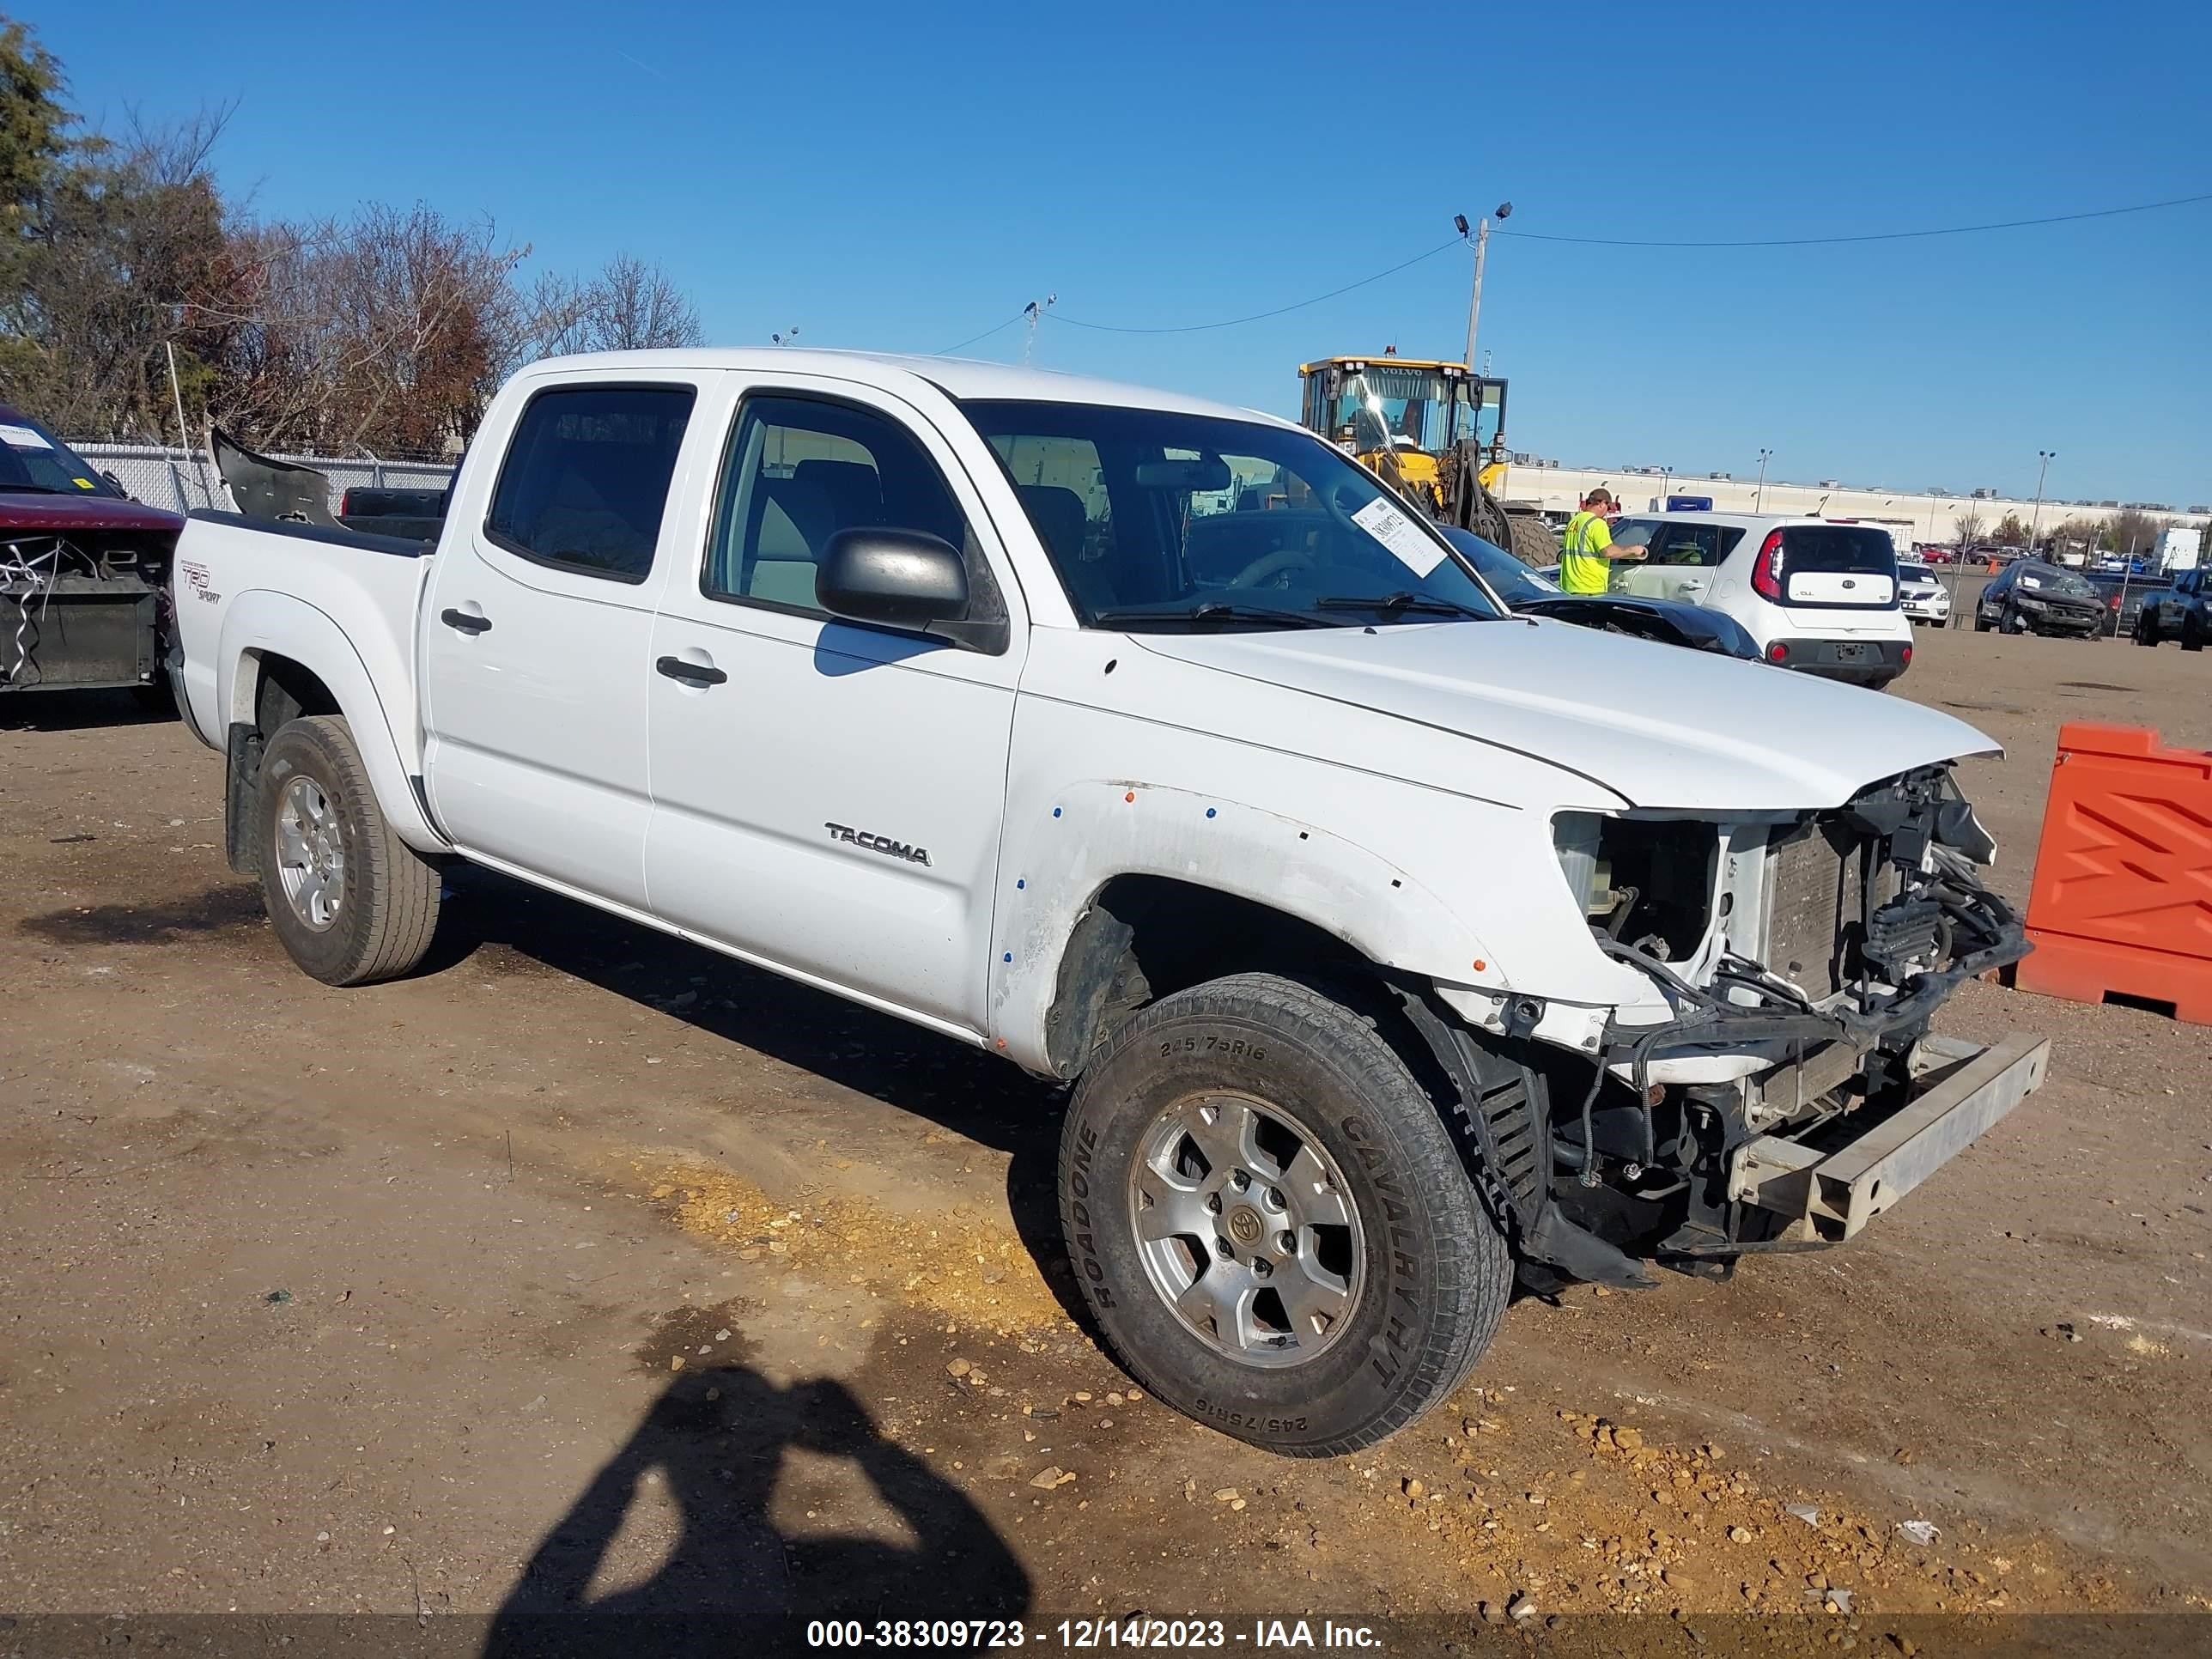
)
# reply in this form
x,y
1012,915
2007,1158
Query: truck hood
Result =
x,y
34,510
1658,725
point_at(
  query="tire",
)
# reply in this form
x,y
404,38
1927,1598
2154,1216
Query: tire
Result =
x,y
367,915
2192,632
1981,623
2146,626
1426,1272
2010,622
1533,542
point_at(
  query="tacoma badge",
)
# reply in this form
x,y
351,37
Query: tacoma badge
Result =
x,y
875,843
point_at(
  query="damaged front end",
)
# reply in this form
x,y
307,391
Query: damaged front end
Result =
x,y
1789,1088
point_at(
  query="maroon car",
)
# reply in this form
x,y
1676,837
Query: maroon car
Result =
x,y
84,570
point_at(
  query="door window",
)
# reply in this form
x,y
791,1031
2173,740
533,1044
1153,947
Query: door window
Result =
x,y
1698,545
798,472
585,478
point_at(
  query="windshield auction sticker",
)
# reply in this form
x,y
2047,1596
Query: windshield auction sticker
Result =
x,y
1418,553
22,437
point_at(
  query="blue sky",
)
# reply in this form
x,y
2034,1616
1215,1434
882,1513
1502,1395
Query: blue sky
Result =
x,y
897,176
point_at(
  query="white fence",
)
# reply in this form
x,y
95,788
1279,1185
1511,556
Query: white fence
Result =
x,y
182,479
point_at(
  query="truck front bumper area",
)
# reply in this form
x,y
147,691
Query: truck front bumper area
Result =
x,y
1827,1194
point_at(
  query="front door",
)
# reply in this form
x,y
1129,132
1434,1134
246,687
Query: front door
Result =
x,y
536,633
827,796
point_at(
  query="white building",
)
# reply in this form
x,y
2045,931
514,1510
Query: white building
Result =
x,y
1910,515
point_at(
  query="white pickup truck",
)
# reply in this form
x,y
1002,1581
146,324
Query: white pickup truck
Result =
x,y
1394,944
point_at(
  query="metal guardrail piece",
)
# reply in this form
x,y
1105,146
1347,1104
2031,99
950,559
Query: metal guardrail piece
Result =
x,y
1835,1193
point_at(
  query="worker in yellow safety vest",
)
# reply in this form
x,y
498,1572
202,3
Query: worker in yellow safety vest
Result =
x,y
1589,548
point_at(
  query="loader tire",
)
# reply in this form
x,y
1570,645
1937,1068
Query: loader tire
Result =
x,y
352,902
1253,1120
1533,544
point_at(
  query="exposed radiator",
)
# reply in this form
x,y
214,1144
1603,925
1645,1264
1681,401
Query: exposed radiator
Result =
x,y
1814,904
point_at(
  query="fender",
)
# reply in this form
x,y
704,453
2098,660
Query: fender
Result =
x,y
261,620
1098,830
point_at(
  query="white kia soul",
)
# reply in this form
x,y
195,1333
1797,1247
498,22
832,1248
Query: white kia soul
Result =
x,y
1816,594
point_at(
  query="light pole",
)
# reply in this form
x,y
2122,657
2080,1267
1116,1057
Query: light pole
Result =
x,y
1765,455
2034,523
1666,477
1481,240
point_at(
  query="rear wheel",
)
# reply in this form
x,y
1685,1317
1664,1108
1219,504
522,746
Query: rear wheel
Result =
x,y
2147,626
1272,1223
351,902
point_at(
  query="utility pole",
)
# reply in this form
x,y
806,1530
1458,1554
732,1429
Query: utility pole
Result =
x,y
1481,237
1033,310
2044,456
1760,498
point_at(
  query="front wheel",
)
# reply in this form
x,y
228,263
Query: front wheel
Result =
x,y
2146,626
1271,1222
2011,622
351,902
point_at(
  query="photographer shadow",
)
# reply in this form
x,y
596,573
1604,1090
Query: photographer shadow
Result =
x,y
730,1579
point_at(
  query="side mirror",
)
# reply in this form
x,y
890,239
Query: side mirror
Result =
x,y
894,578
115,484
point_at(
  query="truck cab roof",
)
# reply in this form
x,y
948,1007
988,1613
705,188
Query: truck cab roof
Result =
x,y
962,379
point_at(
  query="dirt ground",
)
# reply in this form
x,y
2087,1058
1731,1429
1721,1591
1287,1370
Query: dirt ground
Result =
x,y
588,1268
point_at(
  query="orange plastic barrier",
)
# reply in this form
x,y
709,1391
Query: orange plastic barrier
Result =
x,y
2122,903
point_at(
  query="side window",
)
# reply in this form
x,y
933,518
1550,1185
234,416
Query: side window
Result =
x,y
585,478
797,472
1700,545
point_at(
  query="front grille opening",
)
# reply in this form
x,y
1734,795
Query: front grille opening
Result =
x,y
1818,901
1664,875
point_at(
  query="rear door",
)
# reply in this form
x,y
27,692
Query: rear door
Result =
x,y
1838,568
538,628
1681,562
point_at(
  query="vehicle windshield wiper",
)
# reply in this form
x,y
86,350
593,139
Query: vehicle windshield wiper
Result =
x,y
1405,599
1215,610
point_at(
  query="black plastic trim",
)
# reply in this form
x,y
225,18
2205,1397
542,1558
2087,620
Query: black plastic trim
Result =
x,y
399,547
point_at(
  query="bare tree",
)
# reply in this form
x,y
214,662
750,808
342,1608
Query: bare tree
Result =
x,y
1969,528
387,332
631,305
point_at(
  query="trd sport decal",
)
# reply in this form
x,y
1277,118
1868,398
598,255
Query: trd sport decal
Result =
x,y
874,843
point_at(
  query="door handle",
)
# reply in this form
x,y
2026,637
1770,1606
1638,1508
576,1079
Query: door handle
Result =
x,y
467,621
691,673
1689,588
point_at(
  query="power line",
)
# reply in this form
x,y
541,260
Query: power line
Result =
x,y
1259,316
985,335
1874,236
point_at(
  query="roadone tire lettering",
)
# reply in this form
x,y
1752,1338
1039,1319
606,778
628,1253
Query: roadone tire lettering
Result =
x,y
1394,1345
1240,1047
1078,1211
1249,1420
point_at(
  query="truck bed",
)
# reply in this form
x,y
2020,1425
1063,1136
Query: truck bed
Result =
x,y
360,590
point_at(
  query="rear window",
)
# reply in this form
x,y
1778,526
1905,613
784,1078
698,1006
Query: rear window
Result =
x,y
585,478
1837,549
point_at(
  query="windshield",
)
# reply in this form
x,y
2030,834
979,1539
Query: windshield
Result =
x,y
1511,580
2051,580
1155,519
1391,406
32,459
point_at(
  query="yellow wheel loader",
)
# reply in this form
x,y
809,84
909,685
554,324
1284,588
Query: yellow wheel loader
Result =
x,y
1435,432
